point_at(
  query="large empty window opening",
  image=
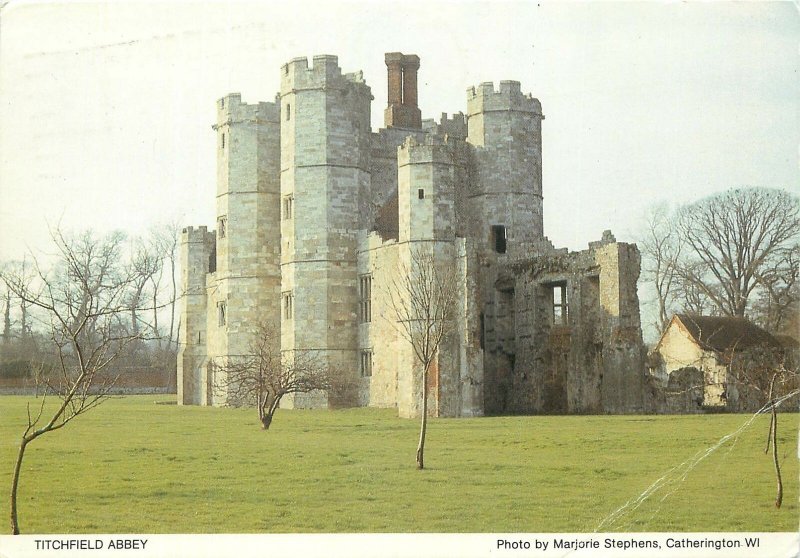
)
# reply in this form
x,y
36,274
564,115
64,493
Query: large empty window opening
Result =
x,y
499,238
365,292
560,309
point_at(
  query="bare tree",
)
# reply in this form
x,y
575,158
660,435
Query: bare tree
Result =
x,y
23,271
733,240
660,248
265,374
145,265
81,301
693,299
423,296
7,317
164,238
778,304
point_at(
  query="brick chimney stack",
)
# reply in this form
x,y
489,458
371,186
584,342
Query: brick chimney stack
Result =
x,y
402,111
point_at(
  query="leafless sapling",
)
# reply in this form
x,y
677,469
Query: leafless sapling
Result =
x,y
265,374
423,296
81,302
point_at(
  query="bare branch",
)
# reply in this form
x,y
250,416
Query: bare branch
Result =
x,y
737,244
422,296
264,375
82,295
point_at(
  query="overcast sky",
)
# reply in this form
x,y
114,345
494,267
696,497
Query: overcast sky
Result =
x,y
107,108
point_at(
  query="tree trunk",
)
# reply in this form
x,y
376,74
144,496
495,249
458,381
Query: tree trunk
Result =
x,y
424,425
7,319
272,406
265,412
779,496
23,321
15,485
773,431
134,319
772,416
155,318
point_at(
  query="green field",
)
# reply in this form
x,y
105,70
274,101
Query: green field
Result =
x,y
134,466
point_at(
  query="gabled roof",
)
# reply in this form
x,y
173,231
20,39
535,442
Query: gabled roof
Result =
x,y
723,333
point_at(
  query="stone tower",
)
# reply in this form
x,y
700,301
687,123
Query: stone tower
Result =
x,y
244,290
505,205
506,126
325,133
197,254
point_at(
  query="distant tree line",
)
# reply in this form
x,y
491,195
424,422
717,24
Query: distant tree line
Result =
x,y
146,265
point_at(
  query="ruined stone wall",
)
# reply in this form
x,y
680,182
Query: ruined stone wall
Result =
x,y
622,385
325,147
464,390
678,350
196,249
556,340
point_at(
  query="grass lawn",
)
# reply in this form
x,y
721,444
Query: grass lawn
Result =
x,y
134,466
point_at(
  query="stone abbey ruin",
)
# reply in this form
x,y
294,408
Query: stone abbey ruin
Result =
x,y
316,212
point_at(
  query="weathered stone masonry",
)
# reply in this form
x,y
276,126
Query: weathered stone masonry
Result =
x,y
316,213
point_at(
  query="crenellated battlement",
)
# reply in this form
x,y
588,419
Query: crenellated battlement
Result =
x,y
231,110
355,77
455,127
484,98
323,73
432,149
197,234
606,238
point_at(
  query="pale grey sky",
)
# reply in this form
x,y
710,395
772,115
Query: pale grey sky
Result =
x,y
106,108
